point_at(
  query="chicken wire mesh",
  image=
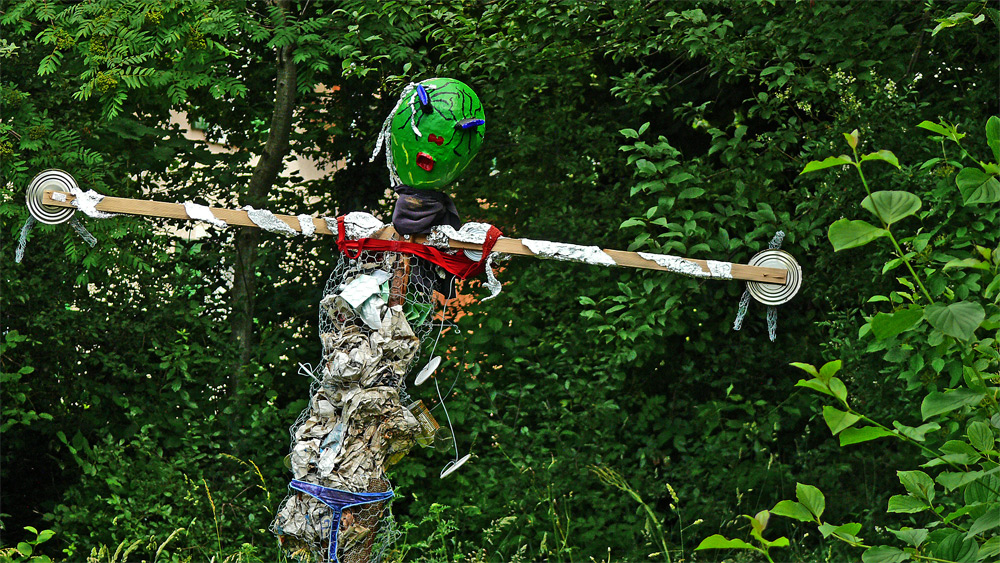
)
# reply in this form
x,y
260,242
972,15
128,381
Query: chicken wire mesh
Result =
x,y
375,311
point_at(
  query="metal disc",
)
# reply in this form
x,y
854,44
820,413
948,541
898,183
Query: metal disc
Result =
x,y
771,293
49,180
452,466
428,370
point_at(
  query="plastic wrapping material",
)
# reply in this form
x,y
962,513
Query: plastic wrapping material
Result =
x,y
306,224
203,213
568,252
85,201
683,266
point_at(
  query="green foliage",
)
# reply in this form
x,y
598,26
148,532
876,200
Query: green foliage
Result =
x,y
24,551
959,520
688,125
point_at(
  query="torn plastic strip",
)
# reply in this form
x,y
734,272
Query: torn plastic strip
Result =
x,y
203,213
22,241
82,231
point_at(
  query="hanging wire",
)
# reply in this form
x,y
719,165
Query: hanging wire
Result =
x,y
772,311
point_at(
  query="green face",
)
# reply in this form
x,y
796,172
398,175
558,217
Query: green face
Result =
x,y
436,131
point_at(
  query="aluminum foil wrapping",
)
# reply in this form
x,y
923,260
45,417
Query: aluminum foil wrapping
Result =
x,y
267,221
472,232
568,252
357,225
716,270
203,213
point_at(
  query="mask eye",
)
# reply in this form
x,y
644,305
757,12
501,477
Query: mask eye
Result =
x,y
425,100
469,124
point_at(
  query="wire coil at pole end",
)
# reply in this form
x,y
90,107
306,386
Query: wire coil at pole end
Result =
x,y
57,180
771,293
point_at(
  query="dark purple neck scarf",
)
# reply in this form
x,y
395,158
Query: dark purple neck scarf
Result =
x,y
417,211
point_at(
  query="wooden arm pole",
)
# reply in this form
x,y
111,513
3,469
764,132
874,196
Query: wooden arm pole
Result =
x,y
505,245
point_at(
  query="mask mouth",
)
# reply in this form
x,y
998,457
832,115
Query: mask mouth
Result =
x,y
425,161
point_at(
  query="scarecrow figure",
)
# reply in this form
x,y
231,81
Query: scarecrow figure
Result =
x,y
378,305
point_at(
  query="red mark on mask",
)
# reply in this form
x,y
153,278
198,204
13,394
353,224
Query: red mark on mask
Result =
x,y
425,161
435,139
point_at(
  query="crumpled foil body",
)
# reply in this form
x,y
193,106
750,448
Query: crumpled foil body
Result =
x,y
356,424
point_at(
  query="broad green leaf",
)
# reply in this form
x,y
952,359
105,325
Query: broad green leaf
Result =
x,y
852,138
989,520
830,369
815,385
952,480
838,420
808,368
983,490
845,233
884,554
940,403
718,541
906,504
826,163
857,435
981,436
918,484
792,509
849,530
811,498
780,542
933,127
959,319
990,548
993,136
646,167
24,548
956,548
891,206
838,389
890,325
691,193
912,536
884,156
977,186
966,263
919,433
827,529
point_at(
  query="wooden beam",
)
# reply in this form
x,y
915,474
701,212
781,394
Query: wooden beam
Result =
x,y
506,245
148,208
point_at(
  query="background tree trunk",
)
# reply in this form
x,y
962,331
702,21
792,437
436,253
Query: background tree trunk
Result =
x,y
248,238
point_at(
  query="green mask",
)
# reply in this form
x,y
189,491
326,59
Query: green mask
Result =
x,y
435,132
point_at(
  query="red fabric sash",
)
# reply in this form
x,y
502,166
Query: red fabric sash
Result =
x,y
456,264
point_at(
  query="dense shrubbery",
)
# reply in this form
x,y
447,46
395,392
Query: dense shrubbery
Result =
x,y
612,412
